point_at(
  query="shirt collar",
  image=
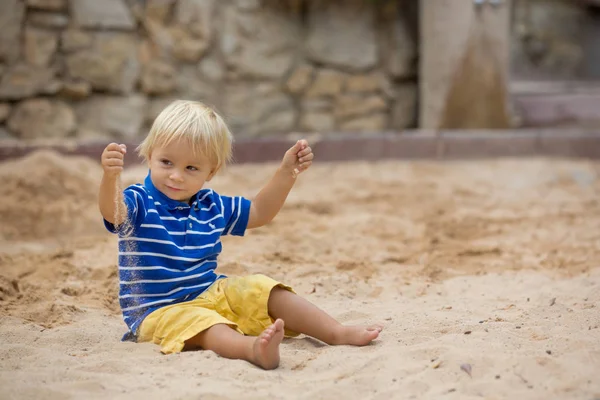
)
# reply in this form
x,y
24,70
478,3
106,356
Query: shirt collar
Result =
x,y
162,198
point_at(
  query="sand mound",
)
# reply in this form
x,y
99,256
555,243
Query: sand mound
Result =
x,y
68,283
48,195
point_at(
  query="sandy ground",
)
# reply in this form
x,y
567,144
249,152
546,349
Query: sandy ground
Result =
x,y
494,264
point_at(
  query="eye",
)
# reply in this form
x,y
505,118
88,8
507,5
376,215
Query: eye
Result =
x,y
192,168
165,161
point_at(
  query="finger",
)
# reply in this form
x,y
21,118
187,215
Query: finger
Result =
x,y
113,154
121,148
303,143
113,146
305,152
304,166
307,157
300,144
113,162
296,147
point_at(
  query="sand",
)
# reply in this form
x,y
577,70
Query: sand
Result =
x,y
495,264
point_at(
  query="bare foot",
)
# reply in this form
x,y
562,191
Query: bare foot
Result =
x,y
266,346
358,335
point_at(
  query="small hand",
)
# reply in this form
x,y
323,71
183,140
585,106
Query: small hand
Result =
x,y
298,158
113,159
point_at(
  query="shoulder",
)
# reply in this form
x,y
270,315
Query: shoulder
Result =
x,y
138,193
137,188
208,196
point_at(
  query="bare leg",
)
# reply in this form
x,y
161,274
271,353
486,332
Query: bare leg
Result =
x,y
302,316
262,351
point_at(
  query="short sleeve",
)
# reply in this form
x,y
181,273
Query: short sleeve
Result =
x,y
236,211
136,210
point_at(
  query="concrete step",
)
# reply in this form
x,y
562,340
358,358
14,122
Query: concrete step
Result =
x,y
556,104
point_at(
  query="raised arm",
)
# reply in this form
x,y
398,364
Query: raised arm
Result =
x,y
110,199
270,199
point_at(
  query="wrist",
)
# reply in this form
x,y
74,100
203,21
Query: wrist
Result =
x,y
286,170
110,176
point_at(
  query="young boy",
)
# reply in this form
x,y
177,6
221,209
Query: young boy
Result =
x,y
169,238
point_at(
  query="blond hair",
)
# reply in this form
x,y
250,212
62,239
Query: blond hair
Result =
x,y
196,122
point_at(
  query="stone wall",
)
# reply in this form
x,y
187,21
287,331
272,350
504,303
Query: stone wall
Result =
x,y
556,39
105,68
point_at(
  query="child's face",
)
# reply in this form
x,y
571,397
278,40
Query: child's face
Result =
x,y
177,171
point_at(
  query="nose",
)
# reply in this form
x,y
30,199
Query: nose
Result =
x,y
175,176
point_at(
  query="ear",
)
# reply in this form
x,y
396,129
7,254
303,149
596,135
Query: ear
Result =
x,y
213,172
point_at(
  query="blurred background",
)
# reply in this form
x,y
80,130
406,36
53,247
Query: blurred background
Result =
x,y
90,69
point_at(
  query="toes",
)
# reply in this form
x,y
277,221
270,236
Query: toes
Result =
x,y
278,324
372,335
266,334
271,330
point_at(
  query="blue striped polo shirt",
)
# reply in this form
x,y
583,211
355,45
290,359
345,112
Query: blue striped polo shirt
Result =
x,y
168,249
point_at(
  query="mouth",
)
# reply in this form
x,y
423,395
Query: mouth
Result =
x,y
174,189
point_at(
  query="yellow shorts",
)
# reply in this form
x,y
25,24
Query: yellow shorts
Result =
x,y
240,302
